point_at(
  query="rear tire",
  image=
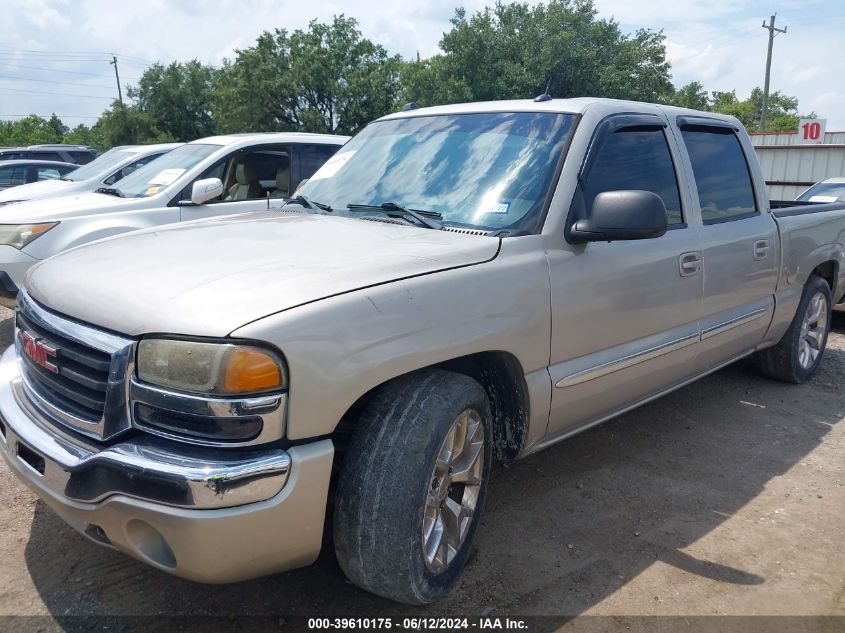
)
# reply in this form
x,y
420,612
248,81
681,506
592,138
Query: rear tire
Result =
x,y
412,486
797,355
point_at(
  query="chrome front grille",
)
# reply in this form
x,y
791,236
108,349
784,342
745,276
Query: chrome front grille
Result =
x,y
75,374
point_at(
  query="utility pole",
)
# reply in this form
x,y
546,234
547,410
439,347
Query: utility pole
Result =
x,y
113,62
772,31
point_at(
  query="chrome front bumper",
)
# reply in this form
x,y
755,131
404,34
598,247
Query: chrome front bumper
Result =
x,y
212,515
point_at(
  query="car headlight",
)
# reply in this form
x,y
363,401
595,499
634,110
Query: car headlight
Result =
x,y
210,368
19,235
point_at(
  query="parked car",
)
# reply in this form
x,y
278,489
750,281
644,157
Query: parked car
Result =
x,y
79,154
218,175
458,284
104,171
15,173
829,190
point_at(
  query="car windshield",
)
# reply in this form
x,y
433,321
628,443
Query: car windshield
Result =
x,y
102,165
163,171
825,192
490,171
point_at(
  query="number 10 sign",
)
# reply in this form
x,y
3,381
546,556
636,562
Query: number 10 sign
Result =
x,y
811,130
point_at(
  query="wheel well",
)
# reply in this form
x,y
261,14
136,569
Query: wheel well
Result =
x,y
501,375
827,271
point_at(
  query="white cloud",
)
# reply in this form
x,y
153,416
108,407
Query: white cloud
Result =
x,y
718,42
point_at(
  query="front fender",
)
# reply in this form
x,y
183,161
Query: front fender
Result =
x,y
340,348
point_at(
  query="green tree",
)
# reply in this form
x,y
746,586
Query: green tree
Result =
x,y
692,95
514,50
28,131
177,98
327,78
128,125
782,112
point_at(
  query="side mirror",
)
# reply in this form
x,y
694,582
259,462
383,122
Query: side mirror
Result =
x,y
622,215
205,190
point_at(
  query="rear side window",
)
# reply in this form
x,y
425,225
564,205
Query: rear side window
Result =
x,y
721,174
80,157
12,175
46,156
635,158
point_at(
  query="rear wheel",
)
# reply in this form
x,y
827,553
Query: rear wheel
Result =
x,y
412,486
797,355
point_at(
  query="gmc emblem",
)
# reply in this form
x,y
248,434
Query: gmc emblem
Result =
x,y
38,351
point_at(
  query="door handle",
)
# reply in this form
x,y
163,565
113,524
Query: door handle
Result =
x,y
689,264
761,249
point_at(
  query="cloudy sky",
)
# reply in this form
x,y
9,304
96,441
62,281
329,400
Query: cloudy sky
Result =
x,y
53,54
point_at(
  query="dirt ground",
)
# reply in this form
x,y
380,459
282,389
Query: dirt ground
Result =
x,y
726,497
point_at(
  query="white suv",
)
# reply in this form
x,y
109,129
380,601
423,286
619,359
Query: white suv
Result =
x,y
214,176
104,171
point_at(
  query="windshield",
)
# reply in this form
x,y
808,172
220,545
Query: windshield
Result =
x,y
163,171
489,171
825,192
102,165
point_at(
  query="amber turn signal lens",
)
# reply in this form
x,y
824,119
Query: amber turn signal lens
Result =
x,y
249,369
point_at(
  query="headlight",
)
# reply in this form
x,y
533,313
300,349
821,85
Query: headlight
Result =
x,y
209,368
19,235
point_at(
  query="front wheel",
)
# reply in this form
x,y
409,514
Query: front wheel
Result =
x,y
412,486
797,355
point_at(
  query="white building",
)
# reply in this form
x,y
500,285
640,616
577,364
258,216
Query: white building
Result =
x,y
789,166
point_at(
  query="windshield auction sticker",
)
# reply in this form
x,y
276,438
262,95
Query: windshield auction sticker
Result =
x,y
166,176
332,166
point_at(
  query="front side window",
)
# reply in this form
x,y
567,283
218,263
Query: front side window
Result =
x,y
721,174
160,174
132,167
46,156
635,158
47,173
490,171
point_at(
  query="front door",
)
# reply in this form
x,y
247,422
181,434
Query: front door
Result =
x,y
624,314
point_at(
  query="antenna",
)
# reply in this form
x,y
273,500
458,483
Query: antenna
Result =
x,y
545,96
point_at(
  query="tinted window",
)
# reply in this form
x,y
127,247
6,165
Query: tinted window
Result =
x,y
312,157
46,156
489,170
13,175
130,168
83,158
11,155
721,174
635,158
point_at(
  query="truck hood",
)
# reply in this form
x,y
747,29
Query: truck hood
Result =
x,y
210,277
66,206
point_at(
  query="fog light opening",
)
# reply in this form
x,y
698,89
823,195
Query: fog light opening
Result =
x,y
150,544
2,432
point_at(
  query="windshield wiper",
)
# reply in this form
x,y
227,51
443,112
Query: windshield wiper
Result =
x,y
110,191
429,219
308,204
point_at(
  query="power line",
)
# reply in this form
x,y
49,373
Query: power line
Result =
x,y
52,81
58,94
57,70
45,116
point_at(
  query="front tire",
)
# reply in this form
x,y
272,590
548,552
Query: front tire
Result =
x,y
798,354
412,486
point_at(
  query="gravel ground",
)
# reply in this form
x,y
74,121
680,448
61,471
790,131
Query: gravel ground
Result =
x,y
726,497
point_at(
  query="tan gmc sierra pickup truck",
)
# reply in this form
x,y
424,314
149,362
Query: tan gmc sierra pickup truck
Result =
x,y
458,285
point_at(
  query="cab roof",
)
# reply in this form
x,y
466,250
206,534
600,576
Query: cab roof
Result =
x,y
249,138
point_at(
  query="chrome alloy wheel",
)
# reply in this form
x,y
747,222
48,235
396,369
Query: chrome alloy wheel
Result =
x,y
453,491
813,330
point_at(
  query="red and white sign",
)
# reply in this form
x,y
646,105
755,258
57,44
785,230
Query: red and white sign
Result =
x,y
811,130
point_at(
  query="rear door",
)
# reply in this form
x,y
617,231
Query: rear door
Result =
x,y
739,241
